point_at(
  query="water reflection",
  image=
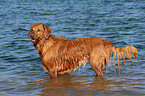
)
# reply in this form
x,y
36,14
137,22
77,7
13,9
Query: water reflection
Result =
x,y
75,85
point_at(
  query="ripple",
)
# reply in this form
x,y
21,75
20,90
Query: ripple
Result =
x,y
20,29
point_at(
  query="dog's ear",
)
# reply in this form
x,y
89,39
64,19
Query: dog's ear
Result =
x,y
47,32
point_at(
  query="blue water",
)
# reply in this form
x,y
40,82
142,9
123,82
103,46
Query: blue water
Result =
x,y
120,21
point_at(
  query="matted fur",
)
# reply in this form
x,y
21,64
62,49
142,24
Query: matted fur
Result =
x,y
61,55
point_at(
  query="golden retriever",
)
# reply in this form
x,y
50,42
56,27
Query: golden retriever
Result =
x,y
61,55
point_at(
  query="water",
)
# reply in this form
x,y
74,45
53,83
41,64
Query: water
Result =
x,y
120,21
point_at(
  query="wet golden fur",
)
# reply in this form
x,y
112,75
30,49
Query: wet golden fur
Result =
x,y
61,55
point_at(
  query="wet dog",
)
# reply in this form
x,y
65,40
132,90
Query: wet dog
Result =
x,y
61,55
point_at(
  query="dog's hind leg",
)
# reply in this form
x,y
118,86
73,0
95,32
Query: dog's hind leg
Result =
x,y
97,62
97,66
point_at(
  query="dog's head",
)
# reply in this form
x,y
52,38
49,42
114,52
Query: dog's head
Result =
x,y
39,32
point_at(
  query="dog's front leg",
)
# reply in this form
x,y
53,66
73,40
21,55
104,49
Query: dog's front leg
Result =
x,y
53,73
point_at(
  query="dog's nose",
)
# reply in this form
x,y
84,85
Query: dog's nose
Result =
x,y
32,35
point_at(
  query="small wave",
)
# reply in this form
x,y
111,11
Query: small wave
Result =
x,y
20,29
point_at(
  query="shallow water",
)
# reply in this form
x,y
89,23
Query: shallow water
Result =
x,y
122,22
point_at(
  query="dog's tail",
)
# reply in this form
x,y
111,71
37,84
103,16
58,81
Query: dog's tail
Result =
x,y
121,53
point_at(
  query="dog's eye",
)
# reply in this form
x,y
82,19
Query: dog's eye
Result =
x,y
38,30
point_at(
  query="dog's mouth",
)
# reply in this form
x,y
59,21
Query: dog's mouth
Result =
x,y
35,41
